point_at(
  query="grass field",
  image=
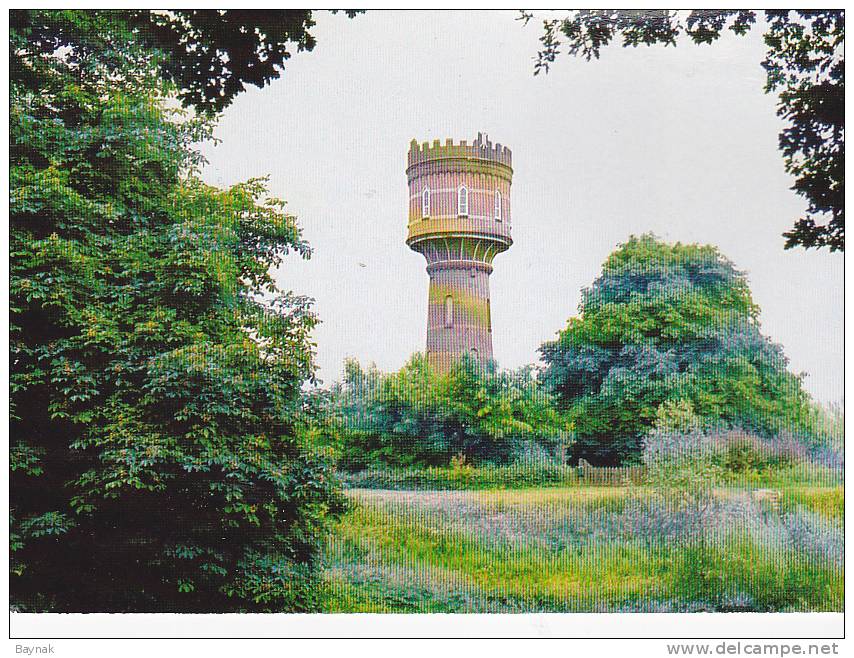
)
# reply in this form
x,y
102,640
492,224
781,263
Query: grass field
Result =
x,y
584,548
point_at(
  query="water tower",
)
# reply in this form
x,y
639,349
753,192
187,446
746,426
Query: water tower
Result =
x,y
459,219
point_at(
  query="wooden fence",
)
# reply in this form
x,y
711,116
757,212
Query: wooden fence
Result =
x,y
610,475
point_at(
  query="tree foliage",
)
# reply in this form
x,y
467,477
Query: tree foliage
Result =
x,y
155,366
208,54
667,336
804,64
417,416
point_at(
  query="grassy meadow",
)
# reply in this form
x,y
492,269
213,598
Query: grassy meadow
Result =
x,y
581,548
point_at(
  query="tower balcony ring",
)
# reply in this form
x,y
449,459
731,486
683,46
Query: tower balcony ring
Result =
x,y
504,240
441,265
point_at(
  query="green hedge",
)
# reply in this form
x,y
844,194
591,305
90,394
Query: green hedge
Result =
x,y
483,477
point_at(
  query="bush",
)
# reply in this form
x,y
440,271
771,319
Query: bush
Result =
x,y
682,471
518,475
743,454
417,417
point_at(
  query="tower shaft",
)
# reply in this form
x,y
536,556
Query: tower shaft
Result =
x,y
458,312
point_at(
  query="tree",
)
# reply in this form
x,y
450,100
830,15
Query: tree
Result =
x,y
804,63
208,54
667,334
417,416
156,368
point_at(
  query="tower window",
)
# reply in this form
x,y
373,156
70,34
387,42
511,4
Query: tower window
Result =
x,y
463,201
425,203
449,311
497,203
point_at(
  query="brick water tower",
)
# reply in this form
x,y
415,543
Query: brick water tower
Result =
x,y
459,219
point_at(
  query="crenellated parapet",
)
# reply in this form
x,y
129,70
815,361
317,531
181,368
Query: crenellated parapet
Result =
x,y
479,158
480,149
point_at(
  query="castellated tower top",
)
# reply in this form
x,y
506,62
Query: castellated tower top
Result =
x,y
480,149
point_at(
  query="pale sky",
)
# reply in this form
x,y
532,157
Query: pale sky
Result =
x,y
678,141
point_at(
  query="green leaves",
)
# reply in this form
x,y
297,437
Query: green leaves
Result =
x,y
667,331
207,54
156,367
26,459
45,525
421,417
805,64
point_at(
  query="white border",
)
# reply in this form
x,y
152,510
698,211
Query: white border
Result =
x,y
621,625
571,625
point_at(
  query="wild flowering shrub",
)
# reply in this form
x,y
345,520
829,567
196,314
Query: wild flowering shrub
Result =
x,y
682,475
669,520
814,535
681,465
733,455
742,453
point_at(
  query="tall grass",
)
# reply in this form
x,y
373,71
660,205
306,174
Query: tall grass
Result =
x,y
579,548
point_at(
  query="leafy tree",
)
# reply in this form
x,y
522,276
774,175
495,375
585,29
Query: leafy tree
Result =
x,y
156,368
417,416
804,63
209,54
667,336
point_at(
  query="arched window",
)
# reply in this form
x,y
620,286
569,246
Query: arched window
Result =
x,y
425,203
497,206
449,311
463,201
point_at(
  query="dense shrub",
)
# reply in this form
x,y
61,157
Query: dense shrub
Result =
x,y
419,417
736,456
743,454
510,476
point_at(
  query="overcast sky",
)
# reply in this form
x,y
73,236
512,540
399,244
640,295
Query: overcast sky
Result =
x,y
678,141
